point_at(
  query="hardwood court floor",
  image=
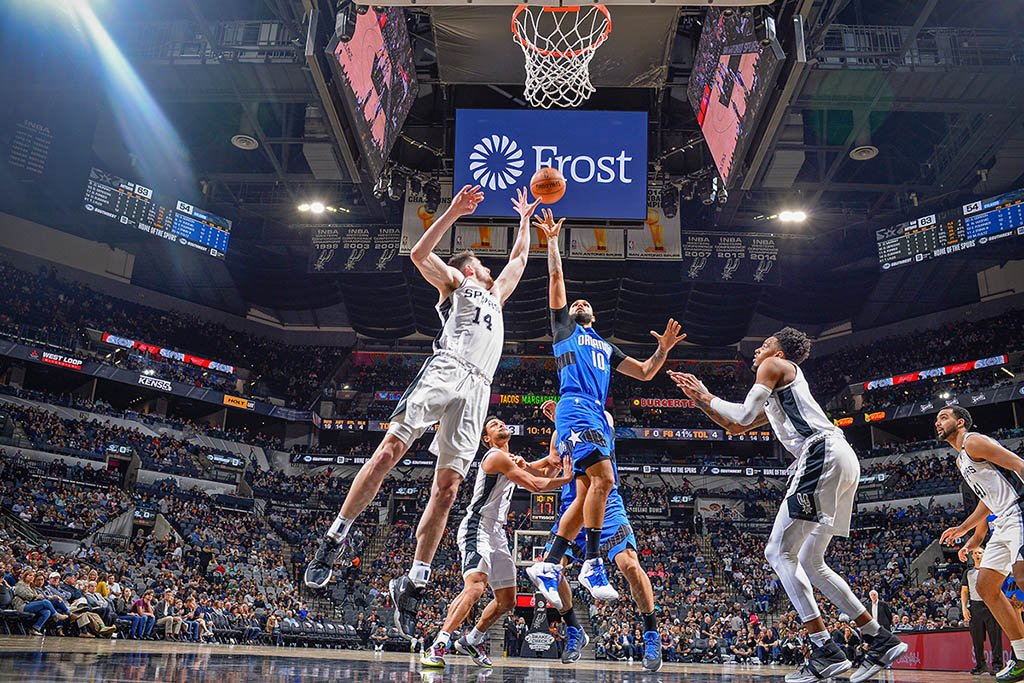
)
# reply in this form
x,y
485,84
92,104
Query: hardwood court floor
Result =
x,y
31,660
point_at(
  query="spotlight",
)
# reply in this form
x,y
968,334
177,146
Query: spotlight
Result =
x,y
317,207
415,185
303,207
792,216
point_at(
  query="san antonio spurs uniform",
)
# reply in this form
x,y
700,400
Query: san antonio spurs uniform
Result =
x,y
824,484
453,388
482,539
1001,491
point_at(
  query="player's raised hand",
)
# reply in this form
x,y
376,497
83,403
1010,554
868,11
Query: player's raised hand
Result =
x,y
465,202
670,337
547,224
524,207
673,374
690,385
548,408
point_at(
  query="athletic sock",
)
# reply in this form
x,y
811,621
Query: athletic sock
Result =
x,y
569,617
339,528
593,544
1018,649
475,637
558,548
820,638
650,621
443,639
871,628
419,574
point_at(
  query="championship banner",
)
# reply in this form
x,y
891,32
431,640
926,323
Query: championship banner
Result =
x,y
658,239
597,243
353,248
730,257
484,240
416,218
539,243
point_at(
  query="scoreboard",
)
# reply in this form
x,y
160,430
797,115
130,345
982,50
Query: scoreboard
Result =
x,y
948,232
543,507
135,206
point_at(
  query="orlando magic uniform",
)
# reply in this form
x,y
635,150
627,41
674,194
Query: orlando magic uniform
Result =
x,y
824,484
482,539
1001,490
585,363
616,533
453,387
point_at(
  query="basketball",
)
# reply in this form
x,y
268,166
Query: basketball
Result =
x,y
547,185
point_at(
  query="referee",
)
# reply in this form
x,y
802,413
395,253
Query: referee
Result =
x,y
977,614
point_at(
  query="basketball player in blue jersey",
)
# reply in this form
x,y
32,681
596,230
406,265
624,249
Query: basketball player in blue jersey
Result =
x,y
617,543
818,504
585,362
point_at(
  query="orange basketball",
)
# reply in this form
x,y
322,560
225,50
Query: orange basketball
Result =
x,y
547,185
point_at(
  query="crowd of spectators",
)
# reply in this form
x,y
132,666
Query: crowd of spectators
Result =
x,y
946,344
48,304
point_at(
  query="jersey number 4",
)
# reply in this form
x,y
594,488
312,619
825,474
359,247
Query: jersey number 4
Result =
x,y
487,318
980,490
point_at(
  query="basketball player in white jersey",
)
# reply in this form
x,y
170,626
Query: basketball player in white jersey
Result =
x,y
483,543
996,475
451,390
817,506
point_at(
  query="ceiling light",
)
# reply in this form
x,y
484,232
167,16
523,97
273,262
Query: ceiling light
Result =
x,y
792,216
304,207
316,207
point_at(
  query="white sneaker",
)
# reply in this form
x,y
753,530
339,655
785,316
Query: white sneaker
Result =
x,y
595,579
545,576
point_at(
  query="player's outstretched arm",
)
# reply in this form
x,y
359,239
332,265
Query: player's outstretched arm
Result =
x,y
693,387
512,273
646,370
434,270
530,482
556,282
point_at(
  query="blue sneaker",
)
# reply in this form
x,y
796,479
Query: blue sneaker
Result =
x,y
575,640
652,651
595,579
545,576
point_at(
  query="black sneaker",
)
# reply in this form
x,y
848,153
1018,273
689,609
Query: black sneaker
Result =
x,y
825,662
321,567
883,649
406,597
981,670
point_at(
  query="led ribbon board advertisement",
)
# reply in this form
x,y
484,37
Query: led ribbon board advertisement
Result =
x,y
954,369
602,154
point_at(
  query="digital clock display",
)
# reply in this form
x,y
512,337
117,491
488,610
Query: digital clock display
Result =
x,y
544,507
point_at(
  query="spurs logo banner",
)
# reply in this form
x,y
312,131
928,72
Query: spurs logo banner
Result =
x,y
596,243
353,248
484,240
416,218
657,240
731,257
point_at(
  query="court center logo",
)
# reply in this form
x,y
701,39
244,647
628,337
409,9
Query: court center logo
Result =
x,y
496,162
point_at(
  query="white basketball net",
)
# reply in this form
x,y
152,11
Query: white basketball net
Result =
x,y
558,43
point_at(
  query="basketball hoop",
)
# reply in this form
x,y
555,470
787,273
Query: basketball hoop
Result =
x,y
558,43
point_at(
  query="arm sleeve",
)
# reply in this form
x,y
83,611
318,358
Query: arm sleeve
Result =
x,y
562,326
617,356
743,413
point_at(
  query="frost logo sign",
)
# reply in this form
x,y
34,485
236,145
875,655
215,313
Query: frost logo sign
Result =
x,y
496,162
601,154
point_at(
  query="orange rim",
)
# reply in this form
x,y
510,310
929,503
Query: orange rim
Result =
x,y
555,53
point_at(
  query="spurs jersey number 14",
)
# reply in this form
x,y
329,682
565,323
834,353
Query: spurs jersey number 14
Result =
x,y
472,326
795,416
1000,489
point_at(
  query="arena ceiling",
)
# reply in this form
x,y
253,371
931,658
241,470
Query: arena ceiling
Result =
x,y
934,85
